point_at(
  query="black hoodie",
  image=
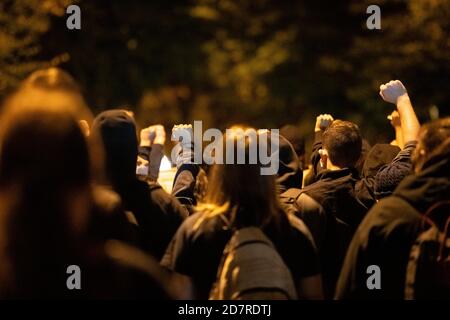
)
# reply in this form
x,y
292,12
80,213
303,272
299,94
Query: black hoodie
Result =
x,y
387,233
377,157
158,214
290,174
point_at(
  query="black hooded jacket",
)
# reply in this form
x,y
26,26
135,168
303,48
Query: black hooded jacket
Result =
x,y
377,157
290,174
332,212
157,213
387,233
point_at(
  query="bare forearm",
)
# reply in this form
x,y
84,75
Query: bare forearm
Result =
x,y
399,137
410,123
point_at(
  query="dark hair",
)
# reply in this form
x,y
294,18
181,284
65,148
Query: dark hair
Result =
x,y
343,142
433,141
295,137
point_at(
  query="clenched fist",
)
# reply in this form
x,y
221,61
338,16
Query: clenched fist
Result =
x,y
391,91
153,135
323,121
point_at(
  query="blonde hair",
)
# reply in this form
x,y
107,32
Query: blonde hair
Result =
x,y
239,192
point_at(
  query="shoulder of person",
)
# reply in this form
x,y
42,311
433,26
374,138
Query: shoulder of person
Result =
x,y
144,269
157,193
298,225
105,198
387,216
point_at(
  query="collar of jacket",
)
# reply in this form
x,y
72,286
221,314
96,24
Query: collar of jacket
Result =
x,y
336,174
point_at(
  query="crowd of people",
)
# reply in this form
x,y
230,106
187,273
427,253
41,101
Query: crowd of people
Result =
x,y
82,190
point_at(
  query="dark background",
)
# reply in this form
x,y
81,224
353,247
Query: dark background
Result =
x,y
261,62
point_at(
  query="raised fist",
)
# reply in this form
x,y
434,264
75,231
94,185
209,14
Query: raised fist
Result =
x,y
153,135
183,133
323,121
183,151
391,91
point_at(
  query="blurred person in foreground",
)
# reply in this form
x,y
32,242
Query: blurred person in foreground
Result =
x,y
48,204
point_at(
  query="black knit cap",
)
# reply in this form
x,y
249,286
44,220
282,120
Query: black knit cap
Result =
x,y
117,130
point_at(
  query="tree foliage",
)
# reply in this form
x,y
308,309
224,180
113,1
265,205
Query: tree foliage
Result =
x,y
264,62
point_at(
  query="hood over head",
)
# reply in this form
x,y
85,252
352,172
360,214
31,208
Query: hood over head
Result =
x,y
117,130
290,175
430,185
378,156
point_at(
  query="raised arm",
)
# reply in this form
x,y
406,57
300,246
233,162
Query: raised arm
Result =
x,y
183,155
395,92
394,118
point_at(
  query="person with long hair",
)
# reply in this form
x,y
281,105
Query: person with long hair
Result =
x,y
239,196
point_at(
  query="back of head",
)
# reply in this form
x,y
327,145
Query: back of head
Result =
x,y
51,79
294,136
53,88
42,145
290,174
117,130
44,182
343,142
378,156
433,144
239,189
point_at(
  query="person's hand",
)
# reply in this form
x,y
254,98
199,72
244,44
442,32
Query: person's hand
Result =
x,y
392,91
183,150
153,135
183,134
84,125
394,117
323,121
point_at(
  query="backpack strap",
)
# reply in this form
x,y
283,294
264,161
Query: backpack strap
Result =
x,y
291,195
153,185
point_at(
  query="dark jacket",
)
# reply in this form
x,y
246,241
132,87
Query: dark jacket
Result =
x,y
158,214
331,212
377,157
290,174
196,250
388,231
390,175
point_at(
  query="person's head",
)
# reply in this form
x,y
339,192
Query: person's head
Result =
x,y
239,191
295,137
379,155
117,130
342,145
45,176
52,79
290,174
43,154
434,140
55,88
